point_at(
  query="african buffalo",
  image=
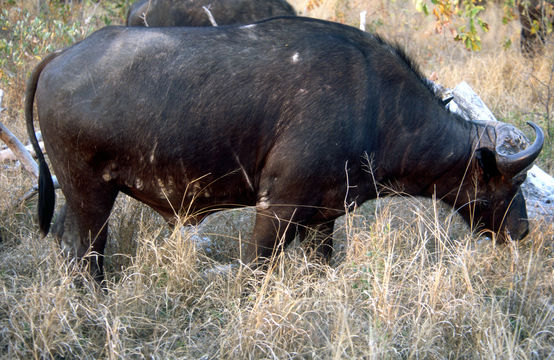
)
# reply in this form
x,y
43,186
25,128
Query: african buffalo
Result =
x,y
300,117
191,13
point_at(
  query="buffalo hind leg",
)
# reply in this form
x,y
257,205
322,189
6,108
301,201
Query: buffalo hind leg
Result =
x,y
273,231
85,228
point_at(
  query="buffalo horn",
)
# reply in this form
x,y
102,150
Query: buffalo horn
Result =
x,y
512,164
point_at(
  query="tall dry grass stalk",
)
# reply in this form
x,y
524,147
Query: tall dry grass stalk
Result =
x,y
408,280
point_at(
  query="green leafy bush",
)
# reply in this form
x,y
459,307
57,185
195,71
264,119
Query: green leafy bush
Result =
x,y
26,34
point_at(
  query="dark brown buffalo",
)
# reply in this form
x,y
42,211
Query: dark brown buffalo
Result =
x,y
191,12
300,117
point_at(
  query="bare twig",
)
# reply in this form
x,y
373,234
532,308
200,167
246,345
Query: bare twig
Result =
x,y
210,16
22,154
7,154
143,15
17,147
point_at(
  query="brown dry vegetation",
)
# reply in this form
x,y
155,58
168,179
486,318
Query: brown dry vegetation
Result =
x,y
408,281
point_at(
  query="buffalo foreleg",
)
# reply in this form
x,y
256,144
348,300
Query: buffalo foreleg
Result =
x,y
274,229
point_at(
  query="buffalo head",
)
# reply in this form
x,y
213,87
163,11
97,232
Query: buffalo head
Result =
x,y
491,193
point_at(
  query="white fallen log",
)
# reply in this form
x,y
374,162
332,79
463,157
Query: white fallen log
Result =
x,y
19,150
538,188
468,104
8,155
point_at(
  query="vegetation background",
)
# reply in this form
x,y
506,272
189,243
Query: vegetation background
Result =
x,y
408,281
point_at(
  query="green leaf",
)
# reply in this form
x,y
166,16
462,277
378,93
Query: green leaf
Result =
x,y
484,26
507,44
421,6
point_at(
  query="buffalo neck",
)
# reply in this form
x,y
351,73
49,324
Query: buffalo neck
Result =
x,y
426,151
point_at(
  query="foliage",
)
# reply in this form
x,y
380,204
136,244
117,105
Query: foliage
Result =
x,y
510,11
115,11
26,36
447,11
468,34
313,4
29,37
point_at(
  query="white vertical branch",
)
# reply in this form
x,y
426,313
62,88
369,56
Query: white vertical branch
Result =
x,y
363,15
210,16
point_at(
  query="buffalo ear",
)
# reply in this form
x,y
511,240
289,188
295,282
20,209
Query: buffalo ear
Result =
x,y
487,161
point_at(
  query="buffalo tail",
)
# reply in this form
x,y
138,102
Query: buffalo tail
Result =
x,y
46,194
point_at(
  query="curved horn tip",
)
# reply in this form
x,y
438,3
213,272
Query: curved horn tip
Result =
x,y
538,129
539,137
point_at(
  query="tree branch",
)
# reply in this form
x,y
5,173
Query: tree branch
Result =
x,y
21,153
210,16
17,147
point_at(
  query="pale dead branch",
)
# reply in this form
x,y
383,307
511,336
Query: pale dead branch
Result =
x,y
7,154
468,104
363,16
21,153
17,147
210,16
143,15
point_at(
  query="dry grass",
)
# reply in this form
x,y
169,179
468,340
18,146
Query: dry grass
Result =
x,y
407,287
408,280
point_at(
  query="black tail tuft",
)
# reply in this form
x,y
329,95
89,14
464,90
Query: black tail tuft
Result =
x,y
46,198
